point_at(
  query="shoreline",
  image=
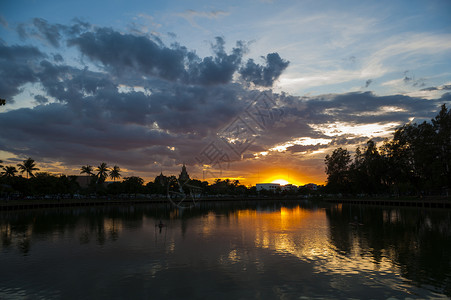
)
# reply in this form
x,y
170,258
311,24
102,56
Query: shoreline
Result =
x,y
427,202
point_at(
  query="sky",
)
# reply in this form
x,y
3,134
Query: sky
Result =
x,y
250,90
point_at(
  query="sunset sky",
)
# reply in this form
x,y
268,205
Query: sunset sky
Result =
x,y
249,90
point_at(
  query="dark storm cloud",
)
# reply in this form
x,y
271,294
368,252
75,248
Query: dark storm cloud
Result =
x,y
17,68
126,52
264,75
93,118
218,69
56,131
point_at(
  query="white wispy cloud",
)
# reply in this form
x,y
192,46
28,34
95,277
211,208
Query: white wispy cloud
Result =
x,y
191,15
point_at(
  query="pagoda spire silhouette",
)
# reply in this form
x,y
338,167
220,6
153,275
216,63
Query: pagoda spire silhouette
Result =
x,y
184,176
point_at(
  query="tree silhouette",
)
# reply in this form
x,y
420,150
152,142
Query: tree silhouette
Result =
x,y
28,166
87,170
102,172
417,159
337,169
133,184
115,173
9,171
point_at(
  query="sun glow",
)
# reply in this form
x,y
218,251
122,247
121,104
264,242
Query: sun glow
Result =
x,y
282,176
280,181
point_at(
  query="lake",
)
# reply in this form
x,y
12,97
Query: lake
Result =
x,y
226,250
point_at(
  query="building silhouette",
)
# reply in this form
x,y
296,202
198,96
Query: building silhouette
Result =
x,y
184,176
161,179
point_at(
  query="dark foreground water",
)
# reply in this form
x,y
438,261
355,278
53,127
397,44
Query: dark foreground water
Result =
x,y
226,251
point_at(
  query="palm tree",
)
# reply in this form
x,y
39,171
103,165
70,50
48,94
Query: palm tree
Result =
x,y
114,174
87,170
9,171
28,166
102,171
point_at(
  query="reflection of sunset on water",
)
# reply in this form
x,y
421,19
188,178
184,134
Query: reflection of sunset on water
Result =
x,y
230,250
294,231
305,234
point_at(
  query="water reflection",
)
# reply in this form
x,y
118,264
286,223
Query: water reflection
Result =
x,y
241,249
413,242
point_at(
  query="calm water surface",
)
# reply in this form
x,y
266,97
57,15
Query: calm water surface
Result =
x,y
234,250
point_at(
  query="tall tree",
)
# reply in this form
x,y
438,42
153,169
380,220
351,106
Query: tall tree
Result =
x,y
357,174
396,156
88,170
28,166
374,168
102,172
442,127
115,173
337,169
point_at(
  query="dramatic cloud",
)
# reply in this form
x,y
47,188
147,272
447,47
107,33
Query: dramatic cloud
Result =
x,y
134,101
126,52
156,103
264,75
17,68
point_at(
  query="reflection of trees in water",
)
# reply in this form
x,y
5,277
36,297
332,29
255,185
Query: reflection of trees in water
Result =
x,y
5,233
24,243
417,241
104,224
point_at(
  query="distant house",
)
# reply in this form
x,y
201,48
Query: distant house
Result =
x,y
311,186
267,186
289,187
161,179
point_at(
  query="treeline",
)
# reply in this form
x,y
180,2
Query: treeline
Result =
x,y
93,184
416,161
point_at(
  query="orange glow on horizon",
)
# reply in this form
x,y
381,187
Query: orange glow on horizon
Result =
x,y
282,177
269,175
